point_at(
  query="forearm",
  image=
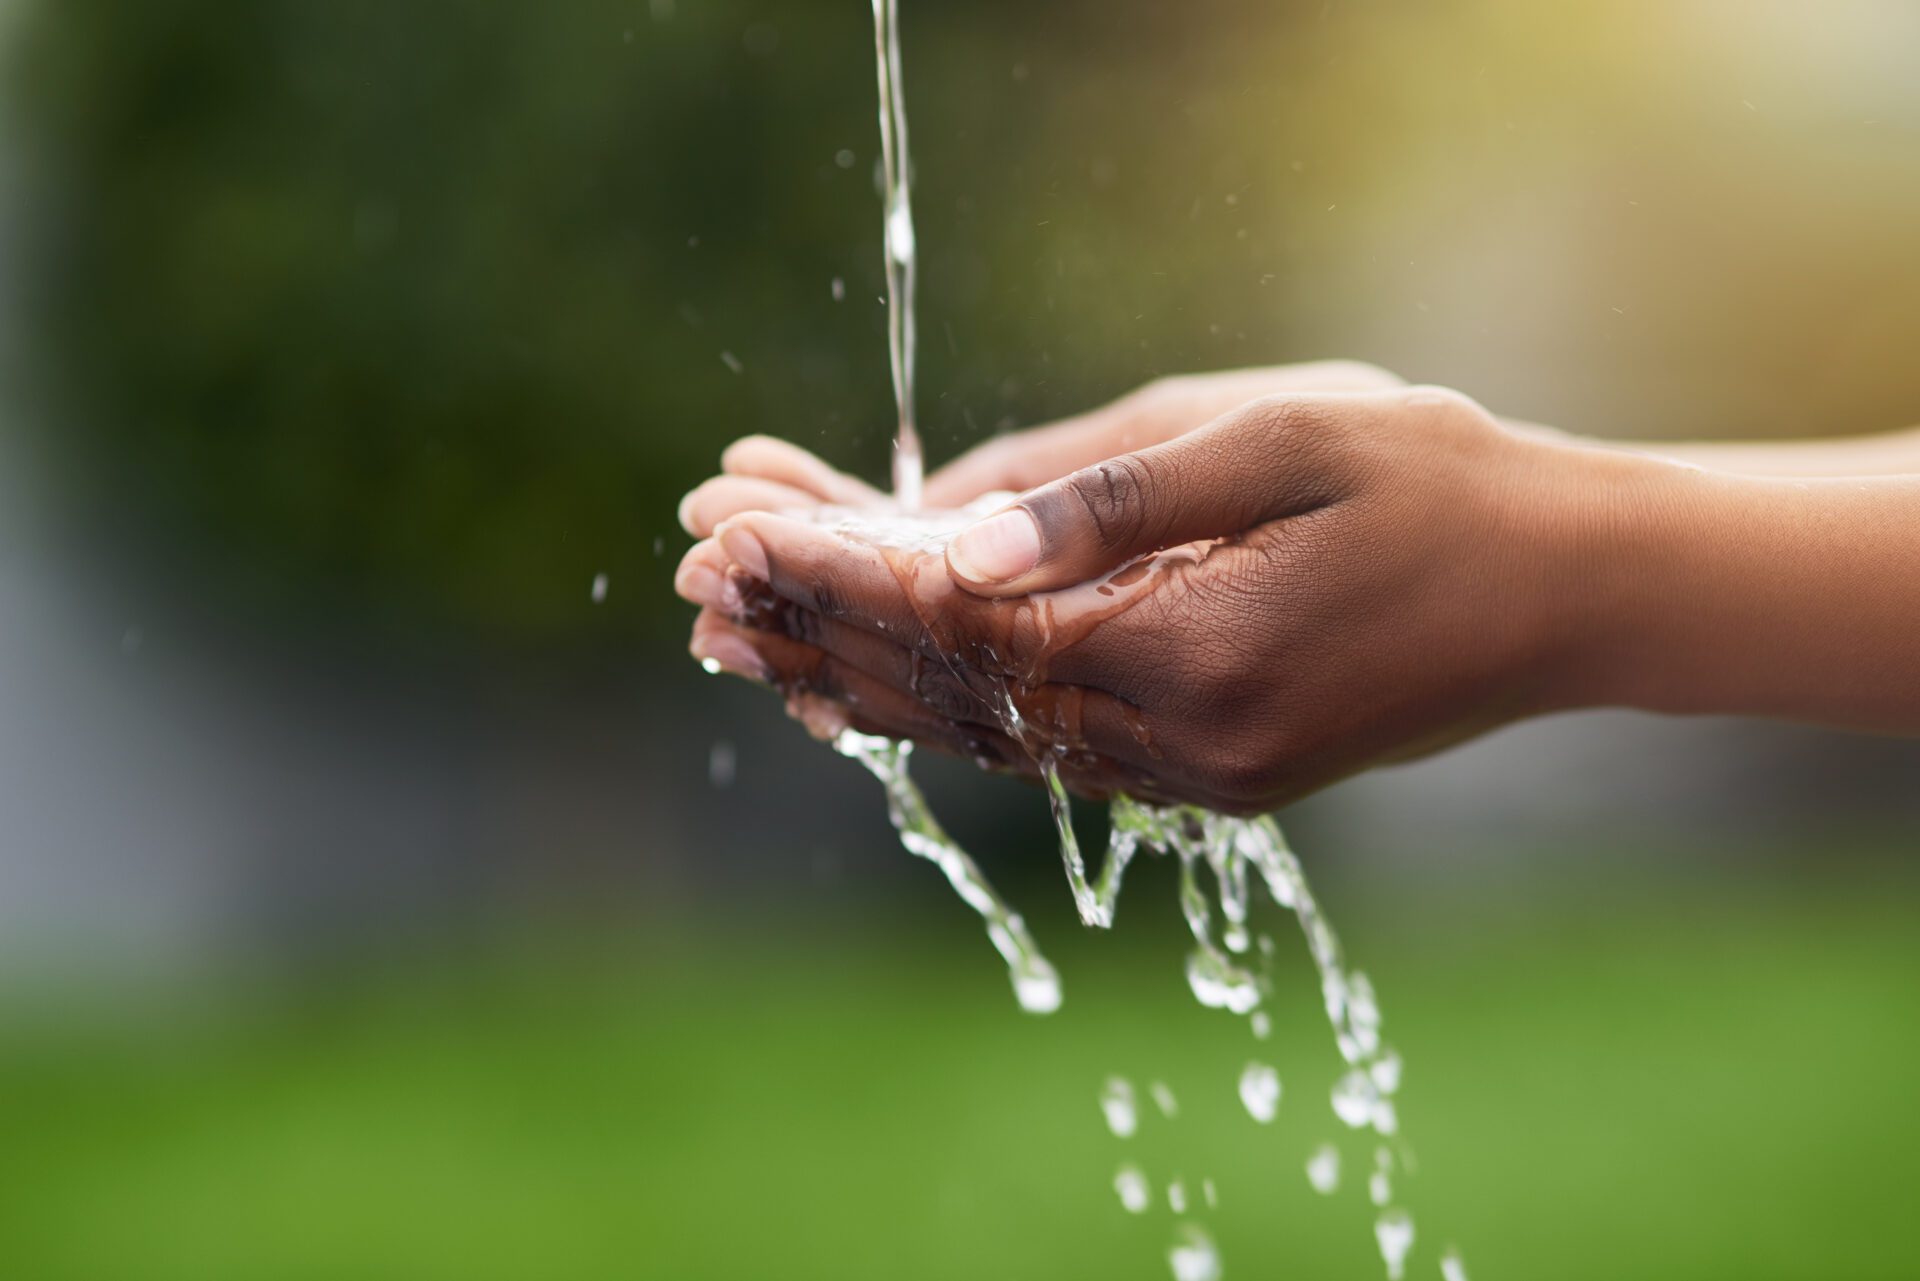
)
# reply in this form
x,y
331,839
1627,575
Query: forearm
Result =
x,y
1717,593
1891,453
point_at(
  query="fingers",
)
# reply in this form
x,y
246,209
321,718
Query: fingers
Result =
x,y
797,668
1054,715
1152,415
828,695
765,458
1277,457
840,577
726,496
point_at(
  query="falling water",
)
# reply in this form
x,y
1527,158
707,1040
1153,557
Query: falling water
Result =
x,y
901,253
1036,984
1233,854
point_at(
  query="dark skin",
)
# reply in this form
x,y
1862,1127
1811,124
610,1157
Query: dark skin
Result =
x,y
1404,571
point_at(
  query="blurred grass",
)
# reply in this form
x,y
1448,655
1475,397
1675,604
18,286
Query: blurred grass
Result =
x,y
1708,1083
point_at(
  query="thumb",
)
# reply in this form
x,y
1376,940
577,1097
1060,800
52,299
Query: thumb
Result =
x,y
1281,456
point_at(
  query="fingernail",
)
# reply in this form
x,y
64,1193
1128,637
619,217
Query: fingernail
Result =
x,y
745,548
723,651
996,549
701,585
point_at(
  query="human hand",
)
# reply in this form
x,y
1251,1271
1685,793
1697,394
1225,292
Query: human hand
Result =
x,y
760,473
1395,577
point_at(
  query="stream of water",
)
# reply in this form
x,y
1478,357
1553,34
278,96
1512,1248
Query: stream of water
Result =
x,y
1228,968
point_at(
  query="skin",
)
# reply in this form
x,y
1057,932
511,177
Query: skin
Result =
x,y
1404,571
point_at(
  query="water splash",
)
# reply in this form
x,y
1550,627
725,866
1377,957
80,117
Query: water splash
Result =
x,y
1323,1169
1380,1182
1260,1092
1131,1186
1117,1103
1237,853
1394,1232
1036,984
1193,1256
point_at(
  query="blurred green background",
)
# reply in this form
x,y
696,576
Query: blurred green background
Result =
x,y
373,902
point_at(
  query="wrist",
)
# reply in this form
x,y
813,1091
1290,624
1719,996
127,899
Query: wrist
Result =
x,y
1698,591
1625,541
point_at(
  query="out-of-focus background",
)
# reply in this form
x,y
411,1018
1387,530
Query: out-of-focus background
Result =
x,y
375,903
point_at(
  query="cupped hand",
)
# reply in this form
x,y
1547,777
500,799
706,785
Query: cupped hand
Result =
x,y
1362,577
760,473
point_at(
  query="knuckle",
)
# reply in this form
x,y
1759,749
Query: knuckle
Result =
x,y
1447,416
937,687
1444,402
1287,418
827,596
1113,496
802,625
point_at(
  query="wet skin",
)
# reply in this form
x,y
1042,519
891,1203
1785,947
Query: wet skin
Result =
x,y
1387,570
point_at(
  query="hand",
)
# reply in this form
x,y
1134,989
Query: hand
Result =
x,y
1394,579
763,474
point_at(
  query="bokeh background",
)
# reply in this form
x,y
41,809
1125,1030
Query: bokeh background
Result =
x,y
375,903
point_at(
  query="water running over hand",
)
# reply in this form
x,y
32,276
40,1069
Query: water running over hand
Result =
x,y
1235,853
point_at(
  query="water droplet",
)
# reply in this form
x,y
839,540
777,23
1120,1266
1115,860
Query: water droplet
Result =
x,y
1131,1185
1385,1072
1260,1091
1363,1014
1323,1169
711,666
1177,1197
1209,1194
900,232
1380,1187
1164,1100
732,362
1219,985
1261,1024
1116,1100
1193,1256
844,157
1451,1269
839,289
599,589
720,764
1354,1097
1394,1231
1036,985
